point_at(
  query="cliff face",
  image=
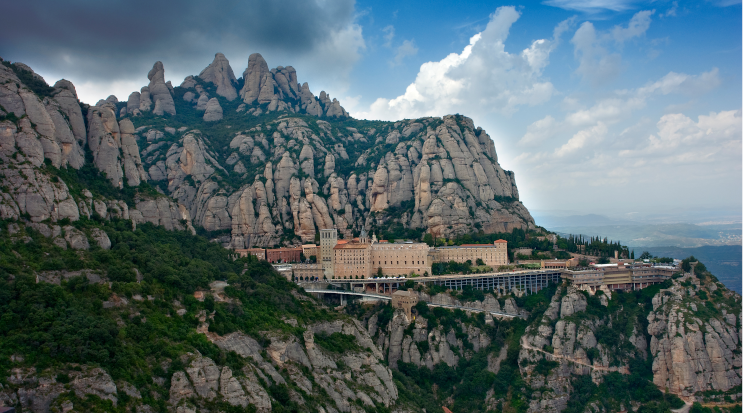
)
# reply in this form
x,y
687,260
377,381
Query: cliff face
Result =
x,y
274,166
42,133
695,343
295,174
687,333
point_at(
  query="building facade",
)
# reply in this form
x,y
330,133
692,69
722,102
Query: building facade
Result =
x,y
400,258
328,240
363,257
309,250
493,255
352,259
305,272
283,255
405,300
259,253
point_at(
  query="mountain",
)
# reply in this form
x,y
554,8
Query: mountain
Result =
x,y
255,161
113,298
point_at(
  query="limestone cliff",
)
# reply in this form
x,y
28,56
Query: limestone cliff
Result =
x,y
291,174
44,131
690,338
272,167
695,342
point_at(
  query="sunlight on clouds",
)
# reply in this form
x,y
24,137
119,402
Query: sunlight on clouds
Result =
x,y
585,137
482,79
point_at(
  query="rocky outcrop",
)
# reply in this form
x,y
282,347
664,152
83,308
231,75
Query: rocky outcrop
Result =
x,y
159,92
220,74
40,393
283,162
213,110
114,147
301,175
692,352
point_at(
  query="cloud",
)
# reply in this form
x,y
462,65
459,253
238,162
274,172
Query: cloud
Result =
x,y
591,48
483,78
672,11
683,83
680,139
623,102
587,127
596,64
637,27
592,6
539,131
98,42
389,34
407,48
583,138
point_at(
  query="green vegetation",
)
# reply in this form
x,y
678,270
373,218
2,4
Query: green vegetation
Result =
x,y
61,326
617,390
596,246
36,84
337,342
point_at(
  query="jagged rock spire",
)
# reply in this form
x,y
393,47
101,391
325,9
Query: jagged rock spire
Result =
x,y
220,73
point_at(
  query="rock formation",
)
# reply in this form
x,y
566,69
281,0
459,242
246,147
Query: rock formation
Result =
x,y
220,74
213,110
691,351
159,91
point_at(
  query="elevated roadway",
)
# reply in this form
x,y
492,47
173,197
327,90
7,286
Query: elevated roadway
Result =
x,y
530,281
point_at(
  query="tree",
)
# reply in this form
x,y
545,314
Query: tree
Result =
x,y
646,255
379,272
633,254
479,261
428,239
313,259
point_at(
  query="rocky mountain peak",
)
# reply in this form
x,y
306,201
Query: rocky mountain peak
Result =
x,y
221,75
255,76
159,92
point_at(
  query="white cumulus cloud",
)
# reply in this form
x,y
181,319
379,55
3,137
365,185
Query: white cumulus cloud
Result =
x,y
483,78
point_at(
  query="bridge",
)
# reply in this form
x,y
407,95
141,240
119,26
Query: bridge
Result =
x,y
389,297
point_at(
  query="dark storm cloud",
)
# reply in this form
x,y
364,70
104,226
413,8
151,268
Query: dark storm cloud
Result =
x,y
120,39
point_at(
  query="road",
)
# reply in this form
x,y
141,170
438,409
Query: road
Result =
x,y
524,344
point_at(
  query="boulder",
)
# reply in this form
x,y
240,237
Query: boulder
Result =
x,y
213,111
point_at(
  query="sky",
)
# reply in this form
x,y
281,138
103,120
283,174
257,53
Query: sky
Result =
x,y
624,108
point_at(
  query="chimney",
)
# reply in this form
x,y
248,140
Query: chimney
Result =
x,y
616,255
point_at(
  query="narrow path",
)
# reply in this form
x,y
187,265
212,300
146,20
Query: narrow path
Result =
x,y
524,344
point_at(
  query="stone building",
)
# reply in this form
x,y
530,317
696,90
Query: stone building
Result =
x,y
400,258
311,249
259,253
352,259
283,254
304,272
362,258
493,255
405,300
328,239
